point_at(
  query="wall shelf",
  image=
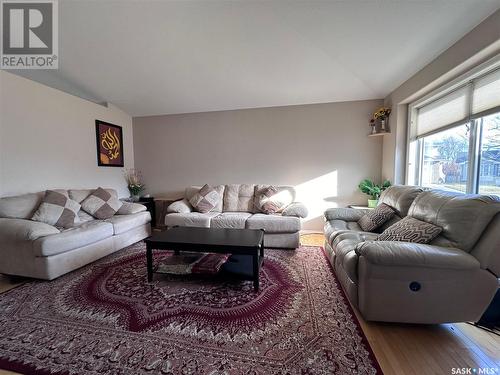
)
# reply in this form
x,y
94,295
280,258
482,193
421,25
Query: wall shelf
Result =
x,y
378,134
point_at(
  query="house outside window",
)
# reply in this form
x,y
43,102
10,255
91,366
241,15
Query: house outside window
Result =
x,y
454,135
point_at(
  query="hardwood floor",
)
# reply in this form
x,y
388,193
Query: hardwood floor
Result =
x,y
404,349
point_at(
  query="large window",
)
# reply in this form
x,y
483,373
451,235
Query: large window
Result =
x,y
489,164
454,137
445,159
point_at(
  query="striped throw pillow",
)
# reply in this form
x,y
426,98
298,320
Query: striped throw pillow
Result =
x,y
375,218
410,229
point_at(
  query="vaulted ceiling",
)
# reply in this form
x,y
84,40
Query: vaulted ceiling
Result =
x,y
161,57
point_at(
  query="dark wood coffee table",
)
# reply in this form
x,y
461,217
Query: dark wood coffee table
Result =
x,y
209,240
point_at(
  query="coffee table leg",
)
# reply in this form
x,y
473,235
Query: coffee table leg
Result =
x,y
149,258
256,272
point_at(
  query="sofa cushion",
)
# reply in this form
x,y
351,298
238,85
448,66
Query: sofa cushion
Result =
x,y
57,209
333,228
20,206
101,204
239,198
375,218
406,254
205,199
73,238
12,230
230,220
123,223
400,198
79,195
274,223
129,208
191,219
192,190
351,235
463,217
410,229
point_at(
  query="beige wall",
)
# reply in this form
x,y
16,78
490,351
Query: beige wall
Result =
x,y
322,149
482,43
47,139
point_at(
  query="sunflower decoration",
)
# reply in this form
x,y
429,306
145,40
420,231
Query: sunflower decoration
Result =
x,y
382,113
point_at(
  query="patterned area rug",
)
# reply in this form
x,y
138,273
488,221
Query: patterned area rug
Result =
x,y
106,319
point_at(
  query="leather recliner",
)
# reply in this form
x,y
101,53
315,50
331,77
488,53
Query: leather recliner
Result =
x,y
452,279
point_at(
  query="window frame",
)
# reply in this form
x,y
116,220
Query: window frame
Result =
x,y
466,80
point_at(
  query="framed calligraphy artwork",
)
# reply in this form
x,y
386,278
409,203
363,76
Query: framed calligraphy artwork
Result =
x,y
109,140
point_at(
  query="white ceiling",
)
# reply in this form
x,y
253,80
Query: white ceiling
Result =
x,y
161,57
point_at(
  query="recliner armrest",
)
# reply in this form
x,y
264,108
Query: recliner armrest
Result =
x,y
407,254
296,209
181,207
346,214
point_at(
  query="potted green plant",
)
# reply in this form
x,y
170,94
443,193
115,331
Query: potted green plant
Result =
x,y
367,186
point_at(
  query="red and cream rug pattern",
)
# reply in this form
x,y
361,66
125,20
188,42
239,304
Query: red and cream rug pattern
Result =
x,y
106,319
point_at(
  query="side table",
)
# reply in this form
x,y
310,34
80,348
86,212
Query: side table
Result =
x,y
149,202
161,205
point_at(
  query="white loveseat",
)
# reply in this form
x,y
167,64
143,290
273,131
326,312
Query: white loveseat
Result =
x,y
34,249
237,208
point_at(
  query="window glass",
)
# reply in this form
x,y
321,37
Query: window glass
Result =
x,y
489,166
445,163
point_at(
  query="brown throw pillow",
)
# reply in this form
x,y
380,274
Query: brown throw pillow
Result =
x,y
271,200
57,209
376,217
410,229
205,199
101,204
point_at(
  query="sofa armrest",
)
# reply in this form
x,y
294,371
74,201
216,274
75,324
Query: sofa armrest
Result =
x,y
407,254
179,207
24,230
296,209
129,208
346,214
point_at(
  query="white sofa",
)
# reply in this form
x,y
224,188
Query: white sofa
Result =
x,y
34,249
237,209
